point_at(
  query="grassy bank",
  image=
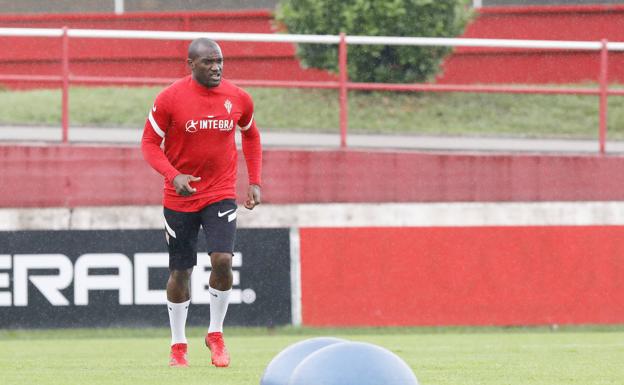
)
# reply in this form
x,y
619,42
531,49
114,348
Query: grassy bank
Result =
x,y
317,111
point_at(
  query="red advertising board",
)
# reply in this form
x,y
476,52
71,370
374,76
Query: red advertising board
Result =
x,y
462,275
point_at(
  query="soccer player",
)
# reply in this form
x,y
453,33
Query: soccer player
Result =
x,y
196,117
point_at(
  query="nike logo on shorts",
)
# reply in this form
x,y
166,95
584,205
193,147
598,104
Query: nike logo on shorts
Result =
x,y
221,214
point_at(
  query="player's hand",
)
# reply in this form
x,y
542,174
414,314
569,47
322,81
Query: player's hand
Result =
x,y
253,196
182,184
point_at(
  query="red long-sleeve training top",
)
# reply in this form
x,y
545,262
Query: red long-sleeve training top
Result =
x,y
197,125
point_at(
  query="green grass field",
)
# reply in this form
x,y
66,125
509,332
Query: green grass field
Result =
x,y
317,111
438,356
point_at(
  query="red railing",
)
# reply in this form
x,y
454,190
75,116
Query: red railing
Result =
x,y
342,85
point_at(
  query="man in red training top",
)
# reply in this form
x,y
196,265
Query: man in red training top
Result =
x,y
196,117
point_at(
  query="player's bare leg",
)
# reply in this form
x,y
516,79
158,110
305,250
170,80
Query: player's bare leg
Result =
x,y
220,288
178,300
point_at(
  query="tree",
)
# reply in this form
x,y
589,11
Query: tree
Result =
x,y
376,63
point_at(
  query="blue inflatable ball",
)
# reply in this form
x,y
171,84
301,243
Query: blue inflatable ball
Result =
x,y
281,367
353,363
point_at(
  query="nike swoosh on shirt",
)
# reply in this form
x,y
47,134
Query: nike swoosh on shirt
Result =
x,y
154,108
220,214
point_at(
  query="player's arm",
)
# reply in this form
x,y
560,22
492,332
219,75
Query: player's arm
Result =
x,y
154,132
252,149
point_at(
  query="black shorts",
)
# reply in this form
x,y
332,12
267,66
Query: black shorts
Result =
x,y
181,230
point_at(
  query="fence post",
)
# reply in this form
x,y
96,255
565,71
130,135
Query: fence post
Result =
x,y
604,84
343,78
119,7
65,87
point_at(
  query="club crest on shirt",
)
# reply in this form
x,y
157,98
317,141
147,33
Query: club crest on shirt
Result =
x,y
228,105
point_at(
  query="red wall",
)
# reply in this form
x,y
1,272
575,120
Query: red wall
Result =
x,y
276,61
148,58
44,176
462,276
377,176
496,65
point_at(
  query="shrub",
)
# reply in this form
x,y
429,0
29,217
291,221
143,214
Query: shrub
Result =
x,y
376,63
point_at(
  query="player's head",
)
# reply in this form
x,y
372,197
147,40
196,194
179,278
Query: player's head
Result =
x,y
206,61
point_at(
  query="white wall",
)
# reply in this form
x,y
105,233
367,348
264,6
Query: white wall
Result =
x,y
331,215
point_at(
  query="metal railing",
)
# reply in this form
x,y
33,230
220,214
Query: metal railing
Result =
x,y
343,85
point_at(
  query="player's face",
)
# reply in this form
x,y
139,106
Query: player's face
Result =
x,y
208,66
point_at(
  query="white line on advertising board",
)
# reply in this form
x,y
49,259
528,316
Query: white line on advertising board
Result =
x,y
295,276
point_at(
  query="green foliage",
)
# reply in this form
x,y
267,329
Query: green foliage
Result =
x,y
376,63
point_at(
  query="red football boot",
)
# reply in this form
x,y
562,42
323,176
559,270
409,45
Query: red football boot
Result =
x,y
220,355
177,358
